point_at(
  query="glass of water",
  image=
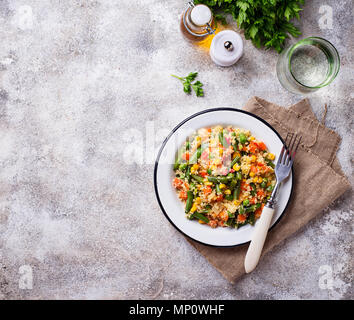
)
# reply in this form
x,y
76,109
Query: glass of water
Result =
x,y
308,65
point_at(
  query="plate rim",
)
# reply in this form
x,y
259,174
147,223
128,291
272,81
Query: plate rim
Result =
x,y
163,146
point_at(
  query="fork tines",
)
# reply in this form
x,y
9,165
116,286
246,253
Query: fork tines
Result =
x,y
287,154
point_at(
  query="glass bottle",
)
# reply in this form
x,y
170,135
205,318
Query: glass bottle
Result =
x,y
197,22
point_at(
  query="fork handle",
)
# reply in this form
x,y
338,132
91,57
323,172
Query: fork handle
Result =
x,y
259,235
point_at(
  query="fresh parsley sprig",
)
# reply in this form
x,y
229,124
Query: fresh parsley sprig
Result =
x,y
188,85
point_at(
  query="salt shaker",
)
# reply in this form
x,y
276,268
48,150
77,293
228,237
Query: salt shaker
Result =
x,y
226,48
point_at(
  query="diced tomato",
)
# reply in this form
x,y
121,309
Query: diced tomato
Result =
x,y
185,156
177,183
253,147
259,164
183,195
220,197
254,169
260,194
223,216
203,173
207,190
186,185
253,200
262,146
241,218
213,223
244,186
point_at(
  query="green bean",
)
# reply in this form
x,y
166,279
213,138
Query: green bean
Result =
x,y
200,216
219,179
196,155
270,163
213,179
253,191
188,145
230,176
189,201
237,191
197,178
239,225
209,171
188,173
237,158
270,188
251,219
180,152
182,166
263,184
252,208
230,222
223,180
239,175
218,190
241,209
233,184
246,202
242,138
222,139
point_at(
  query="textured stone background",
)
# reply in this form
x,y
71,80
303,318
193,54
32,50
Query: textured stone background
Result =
x,y
76,77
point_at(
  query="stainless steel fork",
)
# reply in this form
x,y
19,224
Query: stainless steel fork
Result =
x,y
282,171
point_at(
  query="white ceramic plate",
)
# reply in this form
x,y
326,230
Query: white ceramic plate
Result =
x,y
166,195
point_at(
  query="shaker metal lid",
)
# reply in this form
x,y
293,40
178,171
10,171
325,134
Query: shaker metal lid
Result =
x,y
226,48
201,15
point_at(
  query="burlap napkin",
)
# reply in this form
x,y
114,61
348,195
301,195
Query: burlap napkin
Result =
x,y
318,180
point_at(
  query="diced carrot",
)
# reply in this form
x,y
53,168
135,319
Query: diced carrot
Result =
x,y
209,129
241,218
253,147
207,190
260,193
220,197
244,186
223,216
213,223
177,183
185,156
183,195
254,169
203,173
262,146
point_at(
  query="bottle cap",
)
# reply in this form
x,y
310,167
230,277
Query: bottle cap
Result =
x,y
226,48
201,15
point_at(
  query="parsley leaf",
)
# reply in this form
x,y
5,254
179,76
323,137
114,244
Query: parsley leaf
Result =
x,y
188,85
197,87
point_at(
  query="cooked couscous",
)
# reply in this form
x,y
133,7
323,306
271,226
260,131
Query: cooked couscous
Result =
x,y
224,176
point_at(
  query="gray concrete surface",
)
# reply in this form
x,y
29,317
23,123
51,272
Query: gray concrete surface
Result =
x,y
77,79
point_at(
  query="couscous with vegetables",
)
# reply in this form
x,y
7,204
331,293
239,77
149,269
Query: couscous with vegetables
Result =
x,y
224,176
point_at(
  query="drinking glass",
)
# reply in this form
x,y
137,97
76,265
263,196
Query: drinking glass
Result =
x,y
308,65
